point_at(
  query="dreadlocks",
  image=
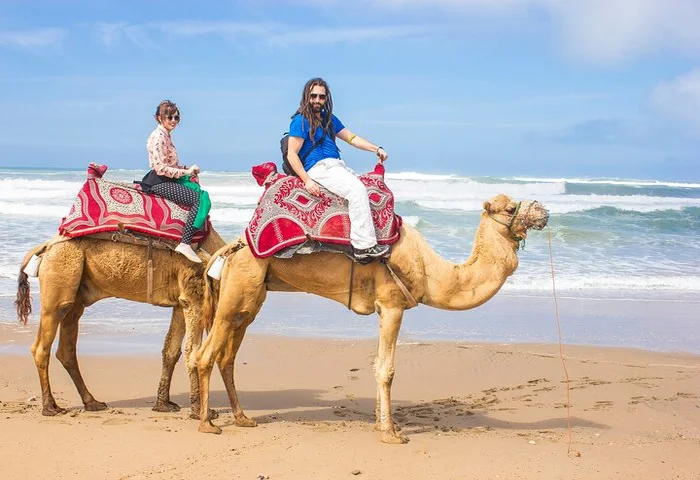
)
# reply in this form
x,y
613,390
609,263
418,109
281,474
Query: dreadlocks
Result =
x,y
325,122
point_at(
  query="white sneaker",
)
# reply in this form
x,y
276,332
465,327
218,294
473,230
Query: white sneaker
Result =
x,y
187,251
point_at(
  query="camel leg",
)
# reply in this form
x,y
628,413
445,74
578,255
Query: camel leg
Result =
x,y
389,325
221,346
67,355
193,340
226,366
41,351
172,349
214,346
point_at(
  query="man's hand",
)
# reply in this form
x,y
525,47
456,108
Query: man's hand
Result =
x,y
382,155
312,187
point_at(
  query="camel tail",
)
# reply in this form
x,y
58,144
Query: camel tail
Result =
x,y
209,302
24,298
210,298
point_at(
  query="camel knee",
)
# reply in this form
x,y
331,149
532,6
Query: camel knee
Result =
x,y
66,357
384,375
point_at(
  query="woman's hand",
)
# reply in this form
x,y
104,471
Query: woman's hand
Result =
x,y
193,170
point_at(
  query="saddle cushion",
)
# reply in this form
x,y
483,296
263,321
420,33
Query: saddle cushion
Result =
x,y
104,206
288,215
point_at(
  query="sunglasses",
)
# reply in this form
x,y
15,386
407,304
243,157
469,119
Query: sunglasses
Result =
x,y
320,96
175,118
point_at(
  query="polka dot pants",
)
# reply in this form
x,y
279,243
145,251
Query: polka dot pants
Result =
x,y
181,195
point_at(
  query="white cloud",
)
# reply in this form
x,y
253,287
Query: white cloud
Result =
x,y
679,99
599,31
110,33
37,38
272,33
344,35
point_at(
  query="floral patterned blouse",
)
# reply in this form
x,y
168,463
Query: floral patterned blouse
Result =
x,y
162,156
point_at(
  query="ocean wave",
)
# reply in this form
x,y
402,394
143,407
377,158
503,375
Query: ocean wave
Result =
x,y
412,220
27,210
604,282
232,215
564,204
419,176
608,181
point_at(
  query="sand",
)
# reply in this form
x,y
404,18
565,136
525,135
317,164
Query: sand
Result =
x,y
471,411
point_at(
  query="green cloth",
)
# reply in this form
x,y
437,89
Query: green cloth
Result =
x,y
204,202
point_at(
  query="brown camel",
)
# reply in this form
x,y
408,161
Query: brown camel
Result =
x,y
78,272
430,280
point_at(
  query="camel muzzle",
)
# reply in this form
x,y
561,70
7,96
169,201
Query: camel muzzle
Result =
x,y
536,216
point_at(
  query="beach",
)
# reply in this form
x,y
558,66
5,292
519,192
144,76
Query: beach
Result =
x,y
470,410
481,394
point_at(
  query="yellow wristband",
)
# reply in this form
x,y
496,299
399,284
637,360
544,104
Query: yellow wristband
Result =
x,y
351,139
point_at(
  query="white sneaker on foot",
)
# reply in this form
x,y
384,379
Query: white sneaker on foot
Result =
x,y
187,251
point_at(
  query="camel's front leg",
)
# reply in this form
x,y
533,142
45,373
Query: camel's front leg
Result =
x,y
67,355
211,350
226,366
172,349
389,325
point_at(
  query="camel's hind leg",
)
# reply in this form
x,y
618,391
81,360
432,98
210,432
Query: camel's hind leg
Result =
x,y
227,374
67,355
389,325
172,350
41,351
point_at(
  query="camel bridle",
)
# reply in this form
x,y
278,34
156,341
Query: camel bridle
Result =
x,y
511,221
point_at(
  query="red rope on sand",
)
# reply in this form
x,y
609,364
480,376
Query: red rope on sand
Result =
x,y
561,351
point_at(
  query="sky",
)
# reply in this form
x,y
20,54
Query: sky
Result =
x,y
537,88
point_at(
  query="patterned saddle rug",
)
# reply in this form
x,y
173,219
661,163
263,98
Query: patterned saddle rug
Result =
x,y
287,215
104,206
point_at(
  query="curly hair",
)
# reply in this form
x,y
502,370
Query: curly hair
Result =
x,y
305,109
165,108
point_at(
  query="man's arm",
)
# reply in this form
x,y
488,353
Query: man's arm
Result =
x,y
293,147
361,143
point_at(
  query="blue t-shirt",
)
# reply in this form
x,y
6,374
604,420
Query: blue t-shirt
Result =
x,y
327,149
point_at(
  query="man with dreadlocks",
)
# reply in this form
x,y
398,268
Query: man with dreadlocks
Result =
x,y
315,158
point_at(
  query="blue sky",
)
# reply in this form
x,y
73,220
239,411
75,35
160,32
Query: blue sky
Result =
x,y
595,88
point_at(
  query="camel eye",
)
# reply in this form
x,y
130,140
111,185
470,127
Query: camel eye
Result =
x,y
510,209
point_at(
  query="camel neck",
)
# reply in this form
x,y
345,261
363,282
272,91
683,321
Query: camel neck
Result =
x,y
453,286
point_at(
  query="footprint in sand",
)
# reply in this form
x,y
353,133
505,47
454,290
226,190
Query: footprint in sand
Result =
x,y
601,405
116,421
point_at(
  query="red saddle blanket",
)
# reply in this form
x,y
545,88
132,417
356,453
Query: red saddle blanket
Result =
x,y
104,206
288,215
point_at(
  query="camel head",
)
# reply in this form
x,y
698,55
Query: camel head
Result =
x,y
516,218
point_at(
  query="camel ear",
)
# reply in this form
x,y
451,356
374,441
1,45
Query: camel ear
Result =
x,y
487,206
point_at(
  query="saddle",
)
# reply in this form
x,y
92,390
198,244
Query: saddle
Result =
x,y
290,220
105,207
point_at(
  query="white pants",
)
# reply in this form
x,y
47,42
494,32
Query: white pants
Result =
x,y
332,174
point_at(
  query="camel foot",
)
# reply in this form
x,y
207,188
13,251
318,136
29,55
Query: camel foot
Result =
x,y
95,406
378,427
208,427
166,406
213,414
244,421
52,410
394,438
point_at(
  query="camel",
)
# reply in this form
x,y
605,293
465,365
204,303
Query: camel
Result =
x,y
428,279
75,273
